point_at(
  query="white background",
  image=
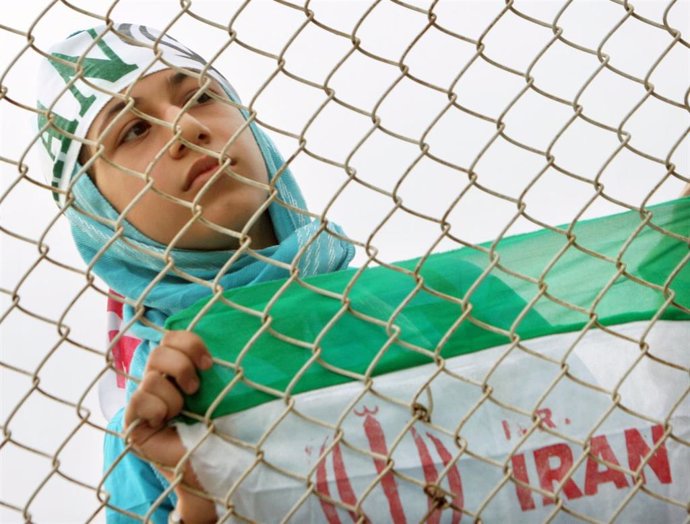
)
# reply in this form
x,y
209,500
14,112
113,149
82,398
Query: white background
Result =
x,y
54,293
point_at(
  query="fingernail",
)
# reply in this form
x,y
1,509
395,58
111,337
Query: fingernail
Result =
x,y
193,384
206,362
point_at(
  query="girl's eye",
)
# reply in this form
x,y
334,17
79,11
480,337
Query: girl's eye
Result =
x,y
138,129
203,98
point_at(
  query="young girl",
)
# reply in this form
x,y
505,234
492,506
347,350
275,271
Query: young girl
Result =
x,y
173,193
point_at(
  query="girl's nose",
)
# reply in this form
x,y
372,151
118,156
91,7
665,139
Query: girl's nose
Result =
x,y
191,130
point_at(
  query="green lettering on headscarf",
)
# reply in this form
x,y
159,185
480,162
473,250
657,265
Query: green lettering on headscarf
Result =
x,y
111,69
56,130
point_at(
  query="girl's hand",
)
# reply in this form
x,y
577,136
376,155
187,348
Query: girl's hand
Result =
x,y
171,371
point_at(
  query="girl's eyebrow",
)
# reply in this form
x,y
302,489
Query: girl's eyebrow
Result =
x,y
111,112
175,80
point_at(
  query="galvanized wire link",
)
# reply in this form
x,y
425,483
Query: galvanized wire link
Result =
x,y
511,52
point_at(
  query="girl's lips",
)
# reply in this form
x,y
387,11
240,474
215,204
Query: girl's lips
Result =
x,y
201,178
201,170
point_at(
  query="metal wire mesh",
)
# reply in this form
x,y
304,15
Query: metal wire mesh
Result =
x,y
528,115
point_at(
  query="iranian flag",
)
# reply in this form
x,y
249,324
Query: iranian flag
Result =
x,y
544,374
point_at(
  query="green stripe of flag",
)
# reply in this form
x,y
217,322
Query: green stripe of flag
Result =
x,y
645,271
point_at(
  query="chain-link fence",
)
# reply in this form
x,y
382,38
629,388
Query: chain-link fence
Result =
x,y
527,362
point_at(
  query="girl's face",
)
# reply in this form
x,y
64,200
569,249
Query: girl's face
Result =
x,y
177,170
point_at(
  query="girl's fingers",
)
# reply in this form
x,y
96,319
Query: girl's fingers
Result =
x,y
175,364
155,401
161,387
170,366
191,345
150,408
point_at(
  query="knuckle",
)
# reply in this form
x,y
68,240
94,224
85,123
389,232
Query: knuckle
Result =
x,y
138,400
169,337
153,408
132,407
188,341
142,406
194,345
174,337
151,382
155,358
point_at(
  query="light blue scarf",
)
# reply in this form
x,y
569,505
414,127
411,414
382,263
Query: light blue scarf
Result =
x,y
132,262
